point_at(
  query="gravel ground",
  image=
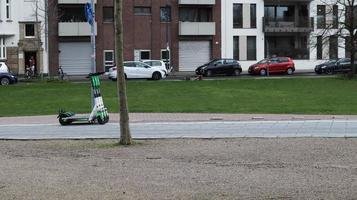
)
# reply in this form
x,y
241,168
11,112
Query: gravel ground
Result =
x,y
301,168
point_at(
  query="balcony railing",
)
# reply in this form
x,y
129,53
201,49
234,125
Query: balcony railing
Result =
x,y
74,29
197,28
290,26
197,2
74,1
295,53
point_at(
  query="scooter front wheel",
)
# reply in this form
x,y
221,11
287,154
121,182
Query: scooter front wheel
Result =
x,y
103,121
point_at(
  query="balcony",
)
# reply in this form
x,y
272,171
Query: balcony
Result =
x,y
288,26
74,1
74,29
197,28
197,2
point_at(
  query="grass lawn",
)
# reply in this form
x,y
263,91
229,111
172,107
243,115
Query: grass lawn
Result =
x,y
297,95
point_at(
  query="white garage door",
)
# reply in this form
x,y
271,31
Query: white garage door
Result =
x,y
75,57
193,54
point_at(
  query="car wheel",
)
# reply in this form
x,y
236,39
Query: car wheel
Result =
x,y
236,72
5,81
156,76
329,71
263,72
113,79
290,71
208,73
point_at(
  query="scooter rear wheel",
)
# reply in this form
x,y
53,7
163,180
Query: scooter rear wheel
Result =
x,y
63,122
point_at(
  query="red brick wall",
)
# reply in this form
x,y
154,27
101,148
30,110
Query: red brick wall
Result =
x,y
140,32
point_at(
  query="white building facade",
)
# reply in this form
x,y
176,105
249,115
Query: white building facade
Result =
x,y
22,35
255,29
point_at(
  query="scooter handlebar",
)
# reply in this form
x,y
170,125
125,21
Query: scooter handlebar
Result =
x,y
95,74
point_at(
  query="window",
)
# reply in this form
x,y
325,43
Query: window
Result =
x,y
140,64
269,12
236,47
71,13
321,16
237,16
142,10
2,48
201,14
253,16
319,47
333,47
165,14
8,9
145,54
351,16
282,60
165,56
108,14
29,30
251,48
108,59
335,17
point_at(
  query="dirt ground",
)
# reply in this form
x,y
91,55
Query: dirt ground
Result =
x,y
295,168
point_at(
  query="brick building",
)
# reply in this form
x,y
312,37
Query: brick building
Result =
x,y
185,33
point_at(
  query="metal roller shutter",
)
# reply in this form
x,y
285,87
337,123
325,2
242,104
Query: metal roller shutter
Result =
x,y
75,57
193,54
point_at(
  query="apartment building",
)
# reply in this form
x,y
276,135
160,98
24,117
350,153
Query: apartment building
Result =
x,y
183,33
23,35
255,29
70,36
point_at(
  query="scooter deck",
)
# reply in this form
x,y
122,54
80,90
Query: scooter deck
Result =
x,y
77,120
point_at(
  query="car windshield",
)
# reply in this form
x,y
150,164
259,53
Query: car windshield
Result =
x,y
263,61
212,61
331,61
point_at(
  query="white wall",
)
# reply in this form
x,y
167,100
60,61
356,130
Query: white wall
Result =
x,y
228,32
21,11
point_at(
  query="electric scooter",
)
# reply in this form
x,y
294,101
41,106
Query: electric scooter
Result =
x,y
99,113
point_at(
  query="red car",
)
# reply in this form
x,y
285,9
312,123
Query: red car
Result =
x,y
274,65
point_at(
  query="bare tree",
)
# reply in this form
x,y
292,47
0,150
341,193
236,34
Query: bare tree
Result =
x,y
343,27
125,136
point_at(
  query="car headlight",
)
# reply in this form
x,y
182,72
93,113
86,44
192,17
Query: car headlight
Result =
x,y
323,67
256,67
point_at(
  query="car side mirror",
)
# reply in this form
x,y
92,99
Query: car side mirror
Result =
x,y
147,66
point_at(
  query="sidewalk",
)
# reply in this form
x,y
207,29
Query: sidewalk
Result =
x,y
183,117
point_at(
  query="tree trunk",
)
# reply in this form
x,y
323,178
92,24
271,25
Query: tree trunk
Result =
x,y
125,136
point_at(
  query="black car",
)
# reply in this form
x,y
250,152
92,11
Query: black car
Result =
x,y
220,66
7,78
334,65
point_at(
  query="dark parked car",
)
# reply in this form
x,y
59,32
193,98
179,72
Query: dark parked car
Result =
x,y
334,65
274,65
7,78
220,66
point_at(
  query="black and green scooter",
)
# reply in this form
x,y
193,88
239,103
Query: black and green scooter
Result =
x,y
99,113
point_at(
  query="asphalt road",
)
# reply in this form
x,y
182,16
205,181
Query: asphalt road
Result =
x,y
213,129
